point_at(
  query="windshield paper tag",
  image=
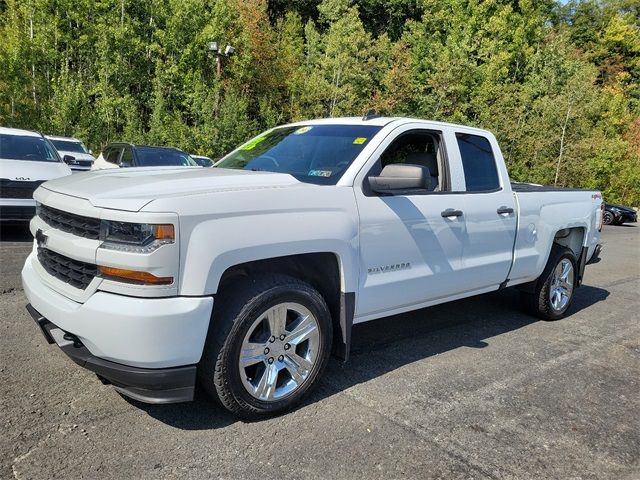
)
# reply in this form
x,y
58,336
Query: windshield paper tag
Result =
x,y
359,141
319,173
252,144
302,130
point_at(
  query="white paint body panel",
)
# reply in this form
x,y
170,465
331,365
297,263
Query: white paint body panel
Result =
x,y
228,217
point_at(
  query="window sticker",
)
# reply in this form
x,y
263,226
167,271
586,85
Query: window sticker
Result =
x,y
302,130
359,140
252,144
319,173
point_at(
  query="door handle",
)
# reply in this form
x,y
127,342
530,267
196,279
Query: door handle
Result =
x,y
505,210
450,212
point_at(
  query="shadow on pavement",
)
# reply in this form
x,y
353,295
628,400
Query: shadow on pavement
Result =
x,y
398,340
15,233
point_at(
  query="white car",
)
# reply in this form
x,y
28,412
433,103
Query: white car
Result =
x,y
248,275
26,160
73,153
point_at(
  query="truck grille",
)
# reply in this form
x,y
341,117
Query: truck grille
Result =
x,y
80,163
85,227
74,272
15,189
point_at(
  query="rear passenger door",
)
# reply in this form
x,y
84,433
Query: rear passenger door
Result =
x,y
489,210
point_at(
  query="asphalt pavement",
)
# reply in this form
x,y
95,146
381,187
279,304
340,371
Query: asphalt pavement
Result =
x,y
470,389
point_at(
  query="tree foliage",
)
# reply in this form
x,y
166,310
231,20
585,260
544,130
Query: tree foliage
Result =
x,y
559,83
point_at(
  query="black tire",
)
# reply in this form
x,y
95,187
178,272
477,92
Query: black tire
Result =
x,y
608,218
237,308
538,303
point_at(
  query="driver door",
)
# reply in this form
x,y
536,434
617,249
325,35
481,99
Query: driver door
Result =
x,y
410,253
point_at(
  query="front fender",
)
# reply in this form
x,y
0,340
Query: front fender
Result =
x,y
217,244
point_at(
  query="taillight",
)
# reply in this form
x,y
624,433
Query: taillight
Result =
x,y
601,218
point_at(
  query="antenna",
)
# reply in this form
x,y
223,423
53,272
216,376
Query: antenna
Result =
x,y
371,113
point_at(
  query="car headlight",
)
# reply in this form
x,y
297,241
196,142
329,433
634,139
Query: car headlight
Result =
x,y
135,237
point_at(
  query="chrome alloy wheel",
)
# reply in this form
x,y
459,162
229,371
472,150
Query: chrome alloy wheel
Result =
x,y
279,351
561,287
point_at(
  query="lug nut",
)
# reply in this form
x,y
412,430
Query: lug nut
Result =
x,y
266,351
272,339
282,337
281,358
287,346
270,360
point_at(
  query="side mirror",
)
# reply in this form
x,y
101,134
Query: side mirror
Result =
x,y
90,152
68,159
401,178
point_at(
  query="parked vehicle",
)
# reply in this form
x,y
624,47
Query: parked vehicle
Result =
x,y
617,214
26,160
73,153
118,154
248,275
203,161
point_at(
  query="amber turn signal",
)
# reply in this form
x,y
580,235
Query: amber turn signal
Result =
x,y
134,276
164,232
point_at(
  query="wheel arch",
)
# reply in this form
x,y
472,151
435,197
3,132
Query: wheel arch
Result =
x,y
324,271
573,238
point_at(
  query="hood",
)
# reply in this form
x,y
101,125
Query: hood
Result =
x,y
77,155
32,171
133,188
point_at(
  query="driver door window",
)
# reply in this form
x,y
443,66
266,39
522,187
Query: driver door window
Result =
x,y
113,155
415,148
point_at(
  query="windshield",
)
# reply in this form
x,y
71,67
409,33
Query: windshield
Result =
x,y
69,146
314,154
162,157
24,147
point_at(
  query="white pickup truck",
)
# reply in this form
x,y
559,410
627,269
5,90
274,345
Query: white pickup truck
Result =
x,y
245,277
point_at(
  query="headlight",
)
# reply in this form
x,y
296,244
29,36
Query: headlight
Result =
x,y
135,237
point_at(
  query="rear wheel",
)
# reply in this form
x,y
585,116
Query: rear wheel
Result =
x,y
267,346
554,289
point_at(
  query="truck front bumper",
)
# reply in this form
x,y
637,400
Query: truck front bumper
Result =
x,y
146,347
150,385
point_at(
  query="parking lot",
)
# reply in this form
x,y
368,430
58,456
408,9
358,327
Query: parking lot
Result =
x,y
472,389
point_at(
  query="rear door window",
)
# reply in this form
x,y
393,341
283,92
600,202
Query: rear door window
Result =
x,y
478,163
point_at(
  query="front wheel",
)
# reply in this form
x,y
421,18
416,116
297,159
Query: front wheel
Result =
x,y
608,218
554,289
267,346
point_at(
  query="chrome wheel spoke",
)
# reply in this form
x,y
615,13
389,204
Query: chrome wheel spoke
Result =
x,y
566,269
305,329
267,385
277,318
251,354
297,374
300,363
555,300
